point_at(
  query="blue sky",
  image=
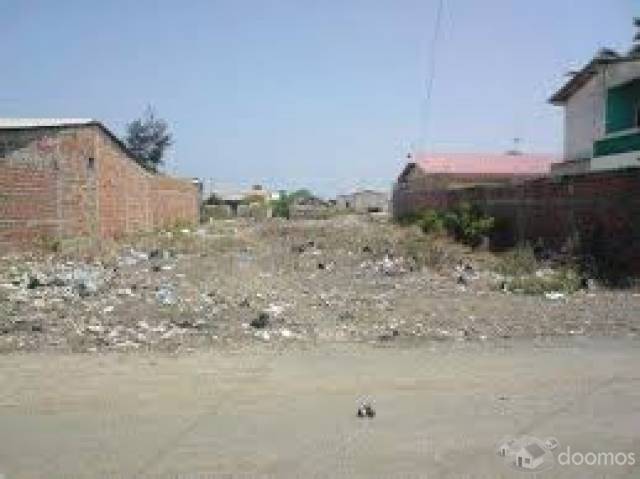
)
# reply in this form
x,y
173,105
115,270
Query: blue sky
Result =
x,y
293,93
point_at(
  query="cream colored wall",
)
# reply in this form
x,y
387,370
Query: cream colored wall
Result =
x,y
620,160
584,119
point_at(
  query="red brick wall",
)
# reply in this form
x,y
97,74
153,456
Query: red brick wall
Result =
x,y
44,181
124,192
131,199
28,204
77,191
601,210
173,201
78,181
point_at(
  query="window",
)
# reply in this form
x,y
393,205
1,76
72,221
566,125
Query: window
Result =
x,y
91,164
527,460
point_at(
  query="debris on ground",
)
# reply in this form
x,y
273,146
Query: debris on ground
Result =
x,y
291,282
262,321
553,295
366,410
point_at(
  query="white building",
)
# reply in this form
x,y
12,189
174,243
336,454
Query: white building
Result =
x,y
602,114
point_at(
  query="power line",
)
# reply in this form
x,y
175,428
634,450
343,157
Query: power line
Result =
x,y
430,77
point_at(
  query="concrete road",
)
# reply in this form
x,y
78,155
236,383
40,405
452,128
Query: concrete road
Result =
x,y
442,409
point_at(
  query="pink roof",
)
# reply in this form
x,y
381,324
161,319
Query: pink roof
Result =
x,y
485,163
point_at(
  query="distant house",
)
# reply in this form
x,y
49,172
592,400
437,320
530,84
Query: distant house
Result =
x,y
425,180
364,201
228,203
601,114
309,208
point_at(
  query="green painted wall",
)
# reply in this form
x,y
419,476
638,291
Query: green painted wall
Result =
x,y
622,102
618,144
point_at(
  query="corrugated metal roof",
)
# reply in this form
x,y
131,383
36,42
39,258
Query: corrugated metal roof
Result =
x,y
486,163
8,123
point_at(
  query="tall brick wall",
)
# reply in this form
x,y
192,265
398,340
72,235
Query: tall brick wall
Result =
x,y
77,201
124,193
28,204
601,210
44,189
79,181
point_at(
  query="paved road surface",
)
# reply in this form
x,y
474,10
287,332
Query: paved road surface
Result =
x,y
441,410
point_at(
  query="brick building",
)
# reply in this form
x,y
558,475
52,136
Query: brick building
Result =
x,y
599,211
424,181
74,178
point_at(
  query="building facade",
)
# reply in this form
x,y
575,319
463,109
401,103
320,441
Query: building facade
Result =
x,y
364,201
425,182
602,113
74,178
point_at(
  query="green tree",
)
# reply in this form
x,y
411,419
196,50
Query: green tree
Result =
x,y
281,207
147,139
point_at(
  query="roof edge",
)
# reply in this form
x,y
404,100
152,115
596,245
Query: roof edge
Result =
x,y
578,80
79,123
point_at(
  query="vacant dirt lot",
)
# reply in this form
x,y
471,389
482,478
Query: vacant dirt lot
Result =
x,y
235,283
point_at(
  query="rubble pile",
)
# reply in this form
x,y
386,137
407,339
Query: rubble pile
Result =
x,y
240,282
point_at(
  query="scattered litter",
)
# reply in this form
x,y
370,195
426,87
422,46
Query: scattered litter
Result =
x,y
394,333
366,410
264,335
169,296
143,325
166,296
554,295
262,321
274,310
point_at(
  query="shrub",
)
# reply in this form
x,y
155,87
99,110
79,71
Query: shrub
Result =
x,y
467,224
565,280
49,244
424,252
518,261
280,208
431,222
409,219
